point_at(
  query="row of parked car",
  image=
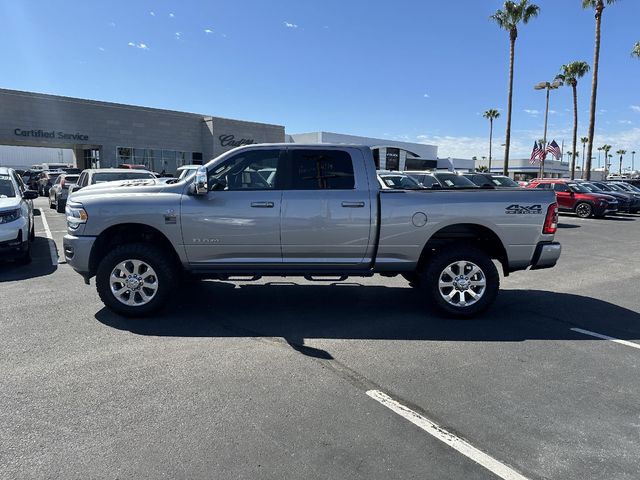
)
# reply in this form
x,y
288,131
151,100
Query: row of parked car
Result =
x,y
584,198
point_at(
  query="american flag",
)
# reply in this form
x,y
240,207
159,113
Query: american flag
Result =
x,y
536,152
554,150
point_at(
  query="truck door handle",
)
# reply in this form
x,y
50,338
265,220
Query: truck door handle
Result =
x,y
353,204
262,204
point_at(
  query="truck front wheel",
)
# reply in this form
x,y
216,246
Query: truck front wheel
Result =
x,y
461,281
135,280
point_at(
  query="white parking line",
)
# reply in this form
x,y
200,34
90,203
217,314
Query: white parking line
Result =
x,y
51,241
433,429
606,337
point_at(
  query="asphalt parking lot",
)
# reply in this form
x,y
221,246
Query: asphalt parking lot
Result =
x,y
278,378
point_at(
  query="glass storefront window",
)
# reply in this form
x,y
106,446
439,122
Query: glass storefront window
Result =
x,y
124,154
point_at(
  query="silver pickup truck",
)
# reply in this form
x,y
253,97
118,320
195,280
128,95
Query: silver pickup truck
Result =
x,y
315,211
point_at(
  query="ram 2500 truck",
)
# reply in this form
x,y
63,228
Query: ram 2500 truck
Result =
x,y
315,211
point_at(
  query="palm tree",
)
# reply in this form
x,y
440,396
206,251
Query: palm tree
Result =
x,y
621,153
598,6
636,50
606,149
584,141
599,150
514,13
569,75
491,115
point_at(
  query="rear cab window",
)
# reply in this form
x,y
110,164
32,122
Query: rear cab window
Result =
x,y
320,170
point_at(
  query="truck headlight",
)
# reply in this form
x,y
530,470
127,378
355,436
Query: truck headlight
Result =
x,y
10,215
76,215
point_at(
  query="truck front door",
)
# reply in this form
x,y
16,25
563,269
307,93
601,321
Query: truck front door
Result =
x,y
326,208
238,221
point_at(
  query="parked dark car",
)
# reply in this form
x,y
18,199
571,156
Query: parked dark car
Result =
x,y
46,180
435,180
617,191
59,191
573,197
30,178
491,180
626,201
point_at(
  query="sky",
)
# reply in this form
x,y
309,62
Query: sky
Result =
x,y
419,71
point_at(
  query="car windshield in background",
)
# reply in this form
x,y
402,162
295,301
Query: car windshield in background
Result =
x,y
452,180
401,182
501,181
616,188
576,187
6,187
115,176
592,188
71,178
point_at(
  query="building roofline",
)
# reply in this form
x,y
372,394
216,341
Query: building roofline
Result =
x,y
123,106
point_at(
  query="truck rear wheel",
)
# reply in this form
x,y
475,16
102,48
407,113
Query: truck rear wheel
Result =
x,y
461,281
135,280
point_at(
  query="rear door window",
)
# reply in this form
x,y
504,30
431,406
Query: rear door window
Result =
x,y
321,170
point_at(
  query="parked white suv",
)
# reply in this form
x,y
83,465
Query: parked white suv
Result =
x,y
16,217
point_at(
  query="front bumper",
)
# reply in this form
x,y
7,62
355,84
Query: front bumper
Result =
x,y
77,251
546,255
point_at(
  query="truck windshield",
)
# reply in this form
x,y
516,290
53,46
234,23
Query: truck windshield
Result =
x,y
6,187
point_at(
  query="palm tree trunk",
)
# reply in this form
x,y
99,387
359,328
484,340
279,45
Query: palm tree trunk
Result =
x,y
490,141
584,145
505,168
594,90
575,132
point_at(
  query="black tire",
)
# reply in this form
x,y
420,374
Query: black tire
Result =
x,y
583,210
157,258
32,233
435,269
60,206
51,205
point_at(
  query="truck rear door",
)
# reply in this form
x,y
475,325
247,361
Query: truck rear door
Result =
x,y
326,208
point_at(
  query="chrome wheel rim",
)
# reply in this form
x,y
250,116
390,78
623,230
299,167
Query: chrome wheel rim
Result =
x,y
583,210
462,283
133,282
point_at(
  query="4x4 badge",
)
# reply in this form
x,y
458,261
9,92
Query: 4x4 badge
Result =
x,y
516,209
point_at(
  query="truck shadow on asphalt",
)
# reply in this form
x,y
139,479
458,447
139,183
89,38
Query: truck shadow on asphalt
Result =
x,y
352,311
40,265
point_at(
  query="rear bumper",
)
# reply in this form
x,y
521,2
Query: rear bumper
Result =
x,y
546,255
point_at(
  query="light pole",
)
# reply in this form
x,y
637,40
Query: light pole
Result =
x,y
548,87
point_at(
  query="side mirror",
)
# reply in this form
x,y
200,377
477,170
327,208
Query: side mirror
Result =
x,y
201,182
30,195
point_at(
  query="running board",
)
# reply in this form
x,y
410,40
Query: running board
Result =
x,y
340,278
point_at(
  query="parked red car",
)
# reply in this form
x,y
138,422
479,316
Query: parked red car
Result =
x,y
573,197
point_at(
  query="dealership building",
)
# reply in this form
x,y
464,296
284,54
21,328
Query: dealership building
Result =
x,y
103,134
95,134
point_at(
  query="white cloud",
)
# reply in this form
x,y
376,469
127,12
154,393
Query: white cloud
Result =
x,y
112,24
141,46
290,25
635,108
171,15
552,112
101,49
208,31
178,36
625,122
531,112
153,14
426,95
